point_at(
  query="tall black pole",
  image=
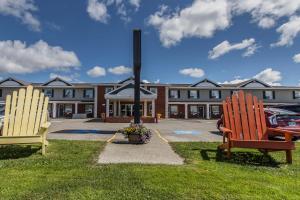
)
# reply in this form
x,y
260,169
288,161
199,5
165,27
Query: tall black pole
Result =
x,y
137,71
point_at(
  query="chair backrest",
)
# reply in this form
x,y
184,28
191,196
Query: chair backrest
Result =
x,y
245,116
26,111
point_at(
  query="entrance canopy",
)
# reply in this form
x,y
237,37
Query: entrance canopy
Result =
x,y
127,93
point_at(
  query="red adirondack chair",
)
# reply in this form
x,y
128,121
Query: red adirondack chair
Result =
x,y
245,127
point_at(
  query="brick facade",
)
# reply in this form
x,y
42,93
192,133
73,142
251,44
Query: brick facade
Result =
x,y
100,100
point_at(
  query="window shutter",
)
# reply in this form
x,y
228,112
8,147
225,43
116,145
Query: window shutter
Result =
x,y
210,94
0,92
178,92
264,94
273,94
93,93
52,93
220,94
198,94
169,93
84,93
73,93
64,93
294,94
189,94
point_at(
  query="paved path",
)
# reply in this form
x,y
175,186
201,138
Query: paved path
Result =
x,y
157,151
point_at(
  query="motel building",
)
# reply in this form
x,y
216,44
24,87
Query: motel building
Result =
x,y
113,102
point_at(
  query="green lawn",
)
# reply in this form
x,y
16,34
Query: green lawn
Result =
x,y
69,171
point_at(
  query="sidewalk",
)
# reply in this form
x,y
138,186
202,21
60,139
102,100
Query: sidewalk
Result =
x,y
157,151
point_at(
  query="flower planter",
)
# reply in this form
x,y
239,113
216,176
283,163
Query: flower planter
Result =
x,y
136,134
135,139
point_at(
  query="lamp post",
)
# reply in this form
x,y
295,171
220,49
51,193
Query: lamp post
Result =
x,y
137,72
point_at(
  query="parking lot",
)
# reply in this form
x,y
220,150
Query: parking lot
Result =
x,y
171,129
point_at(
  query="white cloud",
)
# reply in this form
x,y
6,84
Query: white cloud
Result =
x,y
201,19
145,81
157,81
119,70
266,13
225,47
69,78
192,72
269,76
21,9
96,71
17,57
288,31
296,58
235,81
135,3
97,11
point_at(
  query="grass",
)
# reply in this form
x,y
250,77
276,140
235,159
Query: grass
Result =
x,y
69,171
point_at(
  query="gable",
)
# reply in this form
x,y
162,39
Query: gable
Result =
x,y
57,82
206,83
11,83
255,84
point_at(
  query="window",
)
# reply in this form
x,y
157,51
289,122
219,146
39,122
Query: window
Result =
x,y
215,94
88,108
193,94
194,109
153,90
269,94
48,92
174,110
88,93
108,89
175,94
296,94
69,93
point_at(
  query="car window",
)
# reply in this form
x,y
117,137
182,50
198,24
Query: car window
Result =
x,y
281,111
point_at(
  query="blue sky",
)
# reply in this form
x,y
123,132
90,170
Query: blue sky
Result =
x,y
91,40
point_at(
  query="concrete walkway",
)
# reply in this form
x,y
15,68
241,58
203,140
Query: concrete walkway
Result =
x,y
157,151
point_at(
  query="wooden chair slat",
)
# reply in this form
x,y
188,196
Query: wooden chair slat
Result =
x,y
263,119
244,116
257,118
19,112
251,117
237,117
45,111
231,119
33,112
6,118
26,110
39,114
225,114
12,114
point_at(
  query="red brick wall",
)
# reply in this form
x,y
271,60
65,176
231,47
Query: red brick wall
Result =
x,y
81,108
160,103
100,101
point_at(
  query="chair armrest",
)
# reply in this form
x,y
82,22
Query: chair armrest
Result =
x,y
288,135
46,125
226,132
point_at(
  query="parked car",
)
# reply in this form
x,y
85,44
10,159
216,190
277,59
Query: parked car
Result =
x,y
276,117
293,108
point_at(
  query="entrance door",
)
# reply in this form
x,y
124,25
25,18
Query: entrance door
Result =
x,y
127,110
196,111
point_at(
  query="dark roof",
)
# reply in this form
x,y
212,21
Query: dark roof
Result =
x,y
16,80
208,81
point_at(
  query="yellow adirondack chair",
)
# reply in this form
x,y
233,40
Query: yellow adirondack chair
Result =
x,y
26,118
